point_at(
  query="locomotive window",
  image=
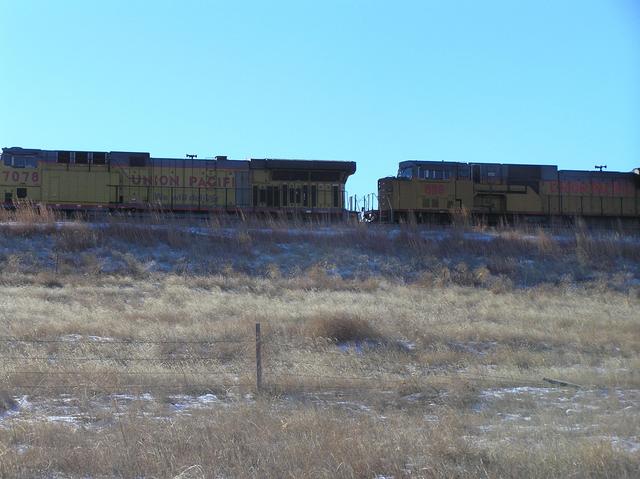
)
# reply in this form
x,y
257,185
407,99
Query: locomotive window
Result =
x,y
64,156
269,196
137,161
336,196
21,193
331,176
289,175
305,195
255,196
99,158
263,195
436,174
7,197
285,194
314,196
405,173
476,173
463,171
292,196
20,161
82,157
276,196
298,196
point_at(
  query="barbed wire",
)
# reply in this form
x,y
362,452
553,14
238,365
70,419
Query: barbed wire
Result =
x,y
130,373
106,359
351,351
71,341
120,387
477,377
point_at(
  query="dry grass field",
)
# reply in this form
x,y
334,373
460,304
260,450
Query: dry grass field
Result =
x,y
127,349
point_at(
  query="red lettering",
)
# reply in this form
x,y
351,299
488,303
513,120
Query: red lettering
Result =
x,y
6,175
34,177
192,180
434,189
15,176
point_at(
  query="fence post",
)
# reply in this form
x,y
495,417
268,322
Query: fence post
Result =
x,y
258,358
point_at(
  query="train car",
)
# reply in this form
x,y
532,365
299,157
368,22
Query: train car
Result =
x,y
116,180
430,190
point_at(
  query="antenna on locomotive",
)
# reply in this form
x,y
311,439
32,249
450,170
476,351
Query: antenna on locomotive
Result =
x,y
599,167
191,157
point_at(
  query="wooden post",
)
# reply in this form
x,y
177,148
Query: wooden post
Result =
x,y
258,358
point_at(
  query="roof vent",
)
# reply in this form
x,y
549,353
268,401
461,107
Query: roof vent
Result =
x,y
221,158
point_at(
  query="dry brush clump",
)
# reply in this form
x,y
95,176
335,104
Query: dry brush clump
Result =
x,y
340,328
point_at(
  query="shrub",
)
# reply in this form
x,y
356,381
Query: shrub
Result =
x,y
341,328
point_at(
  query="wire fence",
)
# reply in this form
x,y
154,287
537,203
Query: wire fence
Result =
x,y
255,363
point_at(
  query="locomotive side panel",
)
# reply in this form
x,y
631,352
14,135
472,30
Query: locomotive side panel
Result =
x,y
78,187
423,188
594,194
297,184
166,184
134,180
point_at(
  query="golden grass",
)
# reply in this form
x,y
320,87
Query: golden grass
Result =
x,y
531,332
254,441
430,395
467,341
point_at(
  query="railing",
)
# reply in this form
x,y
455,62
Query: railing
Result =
x,y
365,203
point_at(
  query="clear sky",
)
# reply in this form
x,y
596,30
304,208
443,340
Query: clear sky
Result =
x,y
376,82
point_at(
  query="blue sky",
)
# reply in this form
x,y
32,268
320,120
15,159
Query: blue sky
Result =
x,y
376,82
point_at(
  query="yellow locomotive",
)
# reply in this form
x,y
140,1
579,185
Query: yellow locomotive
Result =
x,y
135,181
430,190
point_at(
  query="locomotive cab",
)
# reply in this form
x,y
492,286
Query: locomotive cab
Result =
x,y
20,175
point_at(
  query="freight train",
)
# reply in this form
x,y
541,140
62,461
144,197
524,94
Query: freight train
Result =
x,y
432,191
117,180
422,190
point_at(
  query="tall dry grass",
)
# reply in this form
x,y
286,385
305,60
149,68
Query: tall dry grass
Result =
x,y
382,348
253,441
